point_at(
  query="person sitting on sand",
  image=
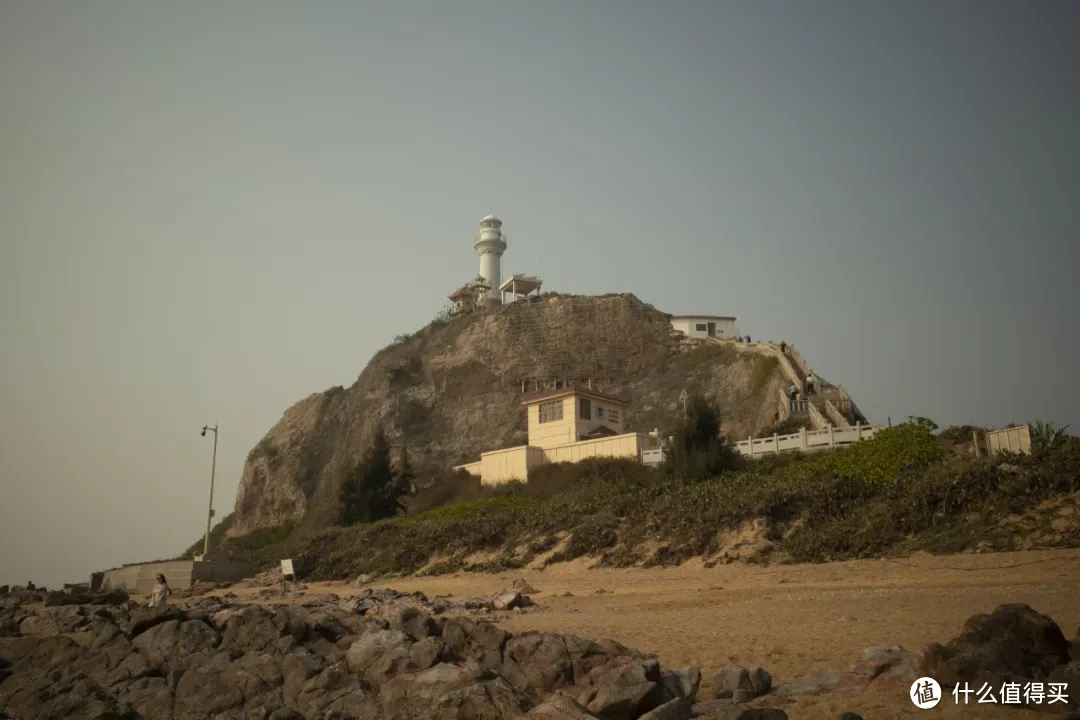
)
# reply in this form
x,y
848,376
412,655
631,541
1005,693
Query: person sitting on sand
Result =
x,y
160,594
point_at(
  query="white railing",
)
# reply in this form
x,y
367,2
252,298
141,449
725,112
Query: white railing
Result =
x,y
834,415
807,440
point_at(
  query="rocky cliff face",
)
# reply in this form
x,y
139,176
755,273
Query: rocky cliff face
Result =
x,y
453,390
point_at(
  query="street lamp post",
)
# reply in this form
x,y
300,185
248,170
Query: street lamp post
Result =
x,y
213,468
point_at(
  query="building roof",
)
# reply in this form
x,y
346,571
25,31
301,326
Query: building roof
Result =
x,y
462,291
702,317
561,392
524,284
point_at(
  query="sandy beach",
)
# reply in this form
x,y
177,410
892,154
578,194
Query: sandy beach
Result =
x,y
793,619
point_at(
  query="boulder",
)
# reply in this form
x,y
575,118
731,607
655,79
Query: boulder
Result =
x,y
560,706
336,690
418,692
415,624
507,600
253,629
146,618
380,656
887,668
682,683
1013,643
677,709
585,655
296,669
203,692
622,689
467,639
158,644
150,697
537,663
751,682
523,587
491,697
824,681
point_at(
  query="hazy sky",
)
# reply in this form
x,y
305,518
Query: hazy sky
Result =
x,y
209,210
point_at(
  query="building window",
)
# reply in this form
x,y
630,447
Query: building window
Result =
x,y
551,411
586,408
599,413
613,415
701,327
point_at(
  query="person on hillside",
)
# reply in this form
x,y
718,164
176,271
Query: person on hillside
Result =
x,y
160,594
793,392
783,347
810,388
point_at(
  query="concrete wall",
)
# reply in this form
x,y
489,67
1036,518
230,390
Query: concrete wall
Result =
x,y
554,432
180,574
689,326
472,468
628,445
1015,439
502,466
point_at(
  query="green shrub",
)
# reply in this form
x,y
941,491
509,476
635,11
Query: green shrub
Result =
x,y
878,461
1044,436
899,490
959,433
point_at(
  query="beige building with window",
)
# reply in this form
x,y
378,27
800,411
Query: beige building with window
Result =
x,y
565,425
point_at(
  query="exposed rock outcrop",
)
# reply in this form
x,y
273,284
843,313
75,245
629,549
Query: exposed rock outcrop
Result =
x,y
318,660
453,390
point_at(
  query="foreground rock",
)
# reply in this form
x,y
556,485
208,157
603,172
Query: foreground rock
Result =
x,y
1013,644
385,604
318,659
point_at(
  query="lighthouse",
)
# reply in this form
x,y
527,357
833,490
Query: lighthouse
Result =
x,y
490,245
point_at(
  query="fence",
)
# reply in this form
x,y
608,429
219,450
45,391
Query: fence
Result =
x,y
807,440
1014,439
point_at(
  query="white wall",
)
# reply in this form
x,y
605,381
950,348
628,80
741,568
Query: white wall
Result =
x,y
599,415
689,327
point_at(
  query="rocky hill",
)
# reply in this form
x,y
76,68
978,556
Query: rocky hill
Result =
x,y
453,390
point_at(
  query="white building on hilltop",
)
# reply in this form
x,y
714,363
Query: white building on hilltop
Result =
x,y
488,289
705,326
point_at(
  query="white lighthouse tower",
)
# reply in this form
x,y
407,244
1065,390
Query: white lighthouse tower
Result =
x,y
490,245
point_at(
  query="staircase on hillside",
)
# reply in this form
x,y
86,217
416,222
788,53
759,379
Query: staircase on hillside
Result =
x,y
830,405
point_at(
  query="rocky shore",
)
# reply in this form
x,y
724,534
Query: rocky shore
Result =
x,y
387,654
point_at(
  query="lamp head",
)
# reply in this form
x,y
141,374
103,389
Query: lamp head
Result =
x,y
204,431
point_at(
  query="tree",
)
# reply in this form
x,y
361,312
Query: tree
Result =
x,y
924,422
698,450
372,491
